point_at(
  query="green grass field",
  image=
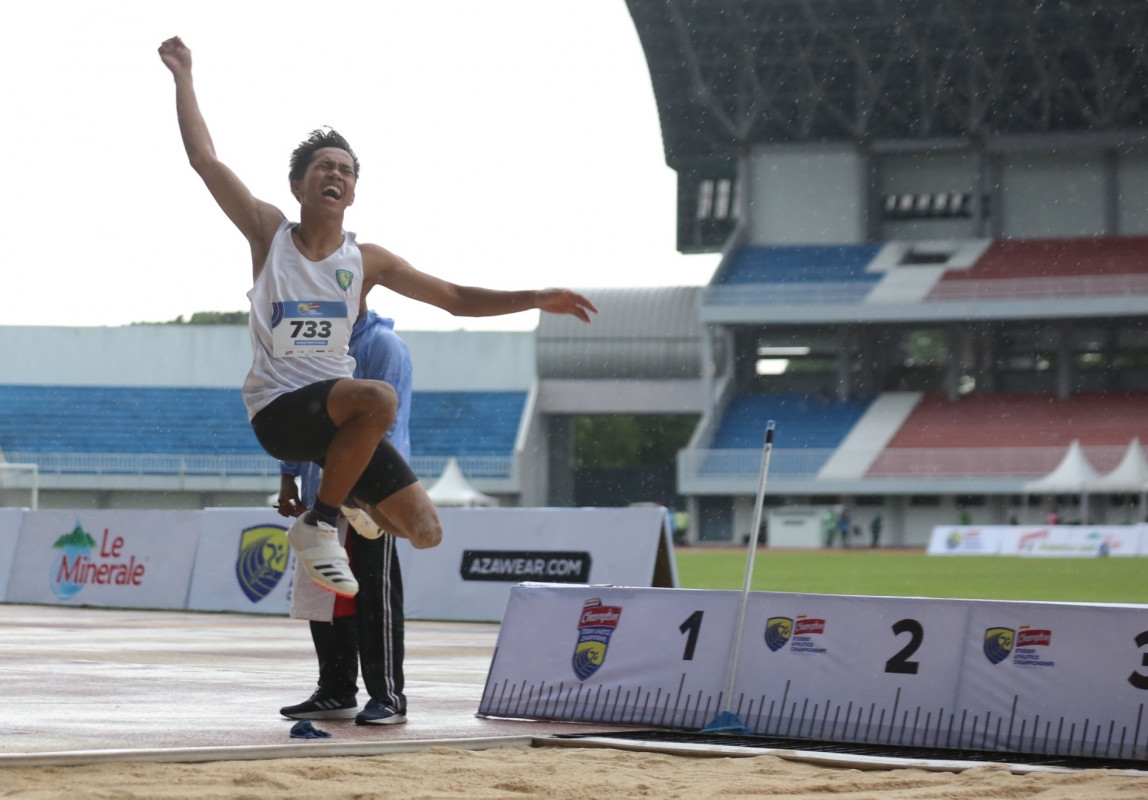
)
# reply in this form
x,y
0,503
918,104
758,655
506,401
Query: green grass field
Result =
x,y
905,573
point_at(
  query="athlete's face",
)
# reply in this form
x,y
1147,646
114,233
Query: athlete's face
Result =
x,y
329,181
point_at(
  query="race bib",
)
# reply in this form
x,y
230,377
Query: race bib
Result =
x,y
309,328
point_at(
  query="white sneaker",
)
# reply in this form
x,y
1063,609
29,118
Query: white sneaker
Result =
x,y
324,559
361,521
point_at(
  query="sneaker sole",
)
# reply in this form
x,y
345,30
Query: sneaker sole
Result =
x,y
338,713
397,719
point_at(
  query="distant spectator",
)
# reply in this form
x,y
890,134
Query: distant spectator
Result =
x,y
844,525
829,523
875,525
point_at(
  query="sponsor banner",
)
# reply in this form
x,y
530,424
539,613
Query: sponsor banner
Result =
x,y
612,655
120,559
1080,541
486,551
9,535
967,540
1053,678
1072,541
842,668
1039,678
243,562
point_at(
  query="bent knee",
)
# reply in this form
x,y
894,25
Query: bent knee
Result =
x,y
363,399
427,536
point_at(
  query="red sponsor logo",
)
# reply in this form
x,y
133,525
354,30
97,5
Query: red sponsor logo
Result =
x,y
805,626
1032,637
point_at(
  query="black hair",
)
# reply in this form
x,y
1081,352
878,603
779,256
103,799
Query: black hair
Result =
x,y
317,140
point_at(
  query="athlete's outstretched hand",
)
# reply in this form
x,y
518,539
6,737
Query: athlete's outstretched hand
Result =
x,y
564,301
175,55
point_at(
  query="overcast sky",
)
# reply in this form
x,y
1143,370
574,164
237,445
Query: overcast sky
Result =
x,y
504,143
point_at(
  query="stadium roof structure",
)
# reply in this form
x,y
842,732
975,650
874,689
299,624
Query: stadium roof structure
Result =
x,y
728,74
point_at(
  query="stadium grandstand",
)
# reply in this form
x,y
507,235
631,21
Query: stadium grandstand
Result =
x,y
933,221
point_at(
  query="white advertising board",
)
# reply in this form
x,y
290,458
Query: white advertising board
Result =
x,y
121,559
836,667
243,562
485,551
1071,541
1054,678
9,535
966,540
612,655
1055,541
1038,678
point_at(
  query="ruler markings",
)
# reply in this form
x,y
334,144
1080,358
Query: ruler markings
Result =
x,y
1011,720
677,700
1135,737
760,708
892,717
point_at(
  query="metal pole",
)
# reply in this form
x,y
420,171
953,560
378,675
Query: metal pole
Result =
x,y
765,454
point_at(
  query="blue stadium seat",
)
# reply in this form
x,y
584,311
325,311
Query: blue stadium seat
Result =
x,y
105,419
799,264
803,421
465,423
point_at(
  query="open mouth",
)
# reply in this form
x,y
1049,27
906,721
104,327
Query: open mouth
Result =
x,y
333,191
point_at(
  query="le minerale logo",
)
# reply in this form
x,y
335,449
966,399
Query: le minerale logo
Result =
x,y
75,567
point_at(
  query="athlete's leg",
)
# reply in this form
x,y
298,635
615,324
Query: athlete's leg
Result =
x,y
409,514
391,493
363,411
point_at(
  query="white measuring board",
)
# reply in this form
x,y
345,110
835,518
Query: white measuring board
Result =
x,y
624,656
1040,678
1033,678
1062,678
843,668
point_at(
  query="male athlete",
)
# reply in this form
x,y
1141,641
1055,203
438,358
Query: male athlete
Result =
x,y
368,629
308,278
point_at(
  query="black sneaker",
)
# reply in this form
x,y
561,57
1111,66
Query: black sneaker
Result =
x,y
375,713
322,705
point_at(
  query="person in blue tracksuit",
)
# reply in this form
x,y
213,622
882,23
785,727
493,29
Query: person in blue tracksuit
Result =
x,y
366,631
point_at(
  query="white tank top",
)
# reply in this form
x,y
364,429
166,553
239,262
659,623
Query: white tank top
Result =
x,y
302,313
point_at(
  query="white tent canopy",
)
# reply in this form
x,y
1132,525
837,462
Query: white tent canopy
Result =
x,y
453,489
1073,474
1130,475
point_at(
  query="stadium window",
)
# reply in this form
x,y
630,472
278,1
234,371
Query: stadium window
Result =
x,y
927,205
705,199
775,360
869,500
771,366
970,500
925,500
722,199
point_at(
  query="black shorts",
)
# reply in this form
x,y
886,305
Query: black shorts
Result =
x,y
295,427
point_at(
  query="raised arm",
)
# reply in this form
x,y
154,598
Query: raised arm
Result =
x,y
383,268
256,220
